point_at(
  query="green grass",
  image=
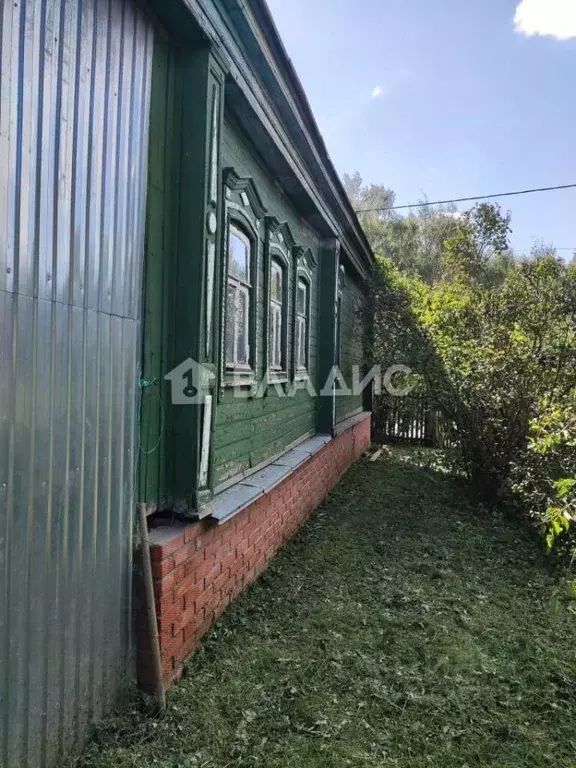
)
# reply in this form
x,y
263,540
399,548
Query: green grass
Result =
x,y
401,627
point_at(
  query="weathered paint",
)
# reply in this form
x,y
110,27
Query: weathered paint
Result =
x,y
199,236
74,86
206,441
156,478
193,158
351,343
329,270
249,431
277,117
181,294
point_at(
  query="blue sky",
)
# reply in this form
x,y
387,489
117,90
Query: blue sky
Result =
x,y
447,99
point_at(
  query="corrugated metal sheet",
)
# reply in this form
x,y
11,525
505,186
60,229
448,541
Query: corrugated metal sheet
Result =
x,y
74,101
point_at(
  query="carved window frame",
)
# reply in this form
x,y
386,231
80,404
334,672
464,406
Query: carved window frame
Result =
x,y
244,211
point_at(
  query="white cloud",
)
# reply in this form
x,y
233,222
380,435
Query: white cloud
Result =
x,y
549,18
377,92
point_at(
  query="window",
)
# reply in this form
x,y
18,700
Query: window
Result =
x,y
302,309
238,299
276,329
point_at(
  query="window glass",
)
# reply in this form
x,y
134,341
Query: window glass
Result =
x,y
301,303
276,292
276,352
238,255
230,323
278,341
339,332
238,299
301,336
302,325
242,327
275,337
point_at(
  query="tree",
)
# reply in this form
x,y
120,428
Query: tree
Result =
x,y
377,198
372,204
492,342
492,356
480,247
414,242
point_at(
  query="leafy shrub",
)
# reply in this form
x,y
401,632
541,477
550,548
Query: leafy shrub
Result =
x,y
496,351
545,474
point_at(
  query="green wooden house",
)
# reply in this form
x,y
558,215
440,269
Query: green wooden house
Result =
x,y
255,262
180,274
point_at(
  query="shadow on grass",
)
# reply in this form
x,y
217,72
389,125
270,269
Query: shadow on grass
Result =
x,y
401,627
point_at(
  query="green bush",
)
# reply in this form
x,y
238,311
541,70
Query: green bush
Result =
x,y
494,344
545,474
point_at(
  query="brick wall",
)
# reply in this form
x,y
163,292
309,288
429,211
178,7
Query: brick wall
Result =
x,y
200,568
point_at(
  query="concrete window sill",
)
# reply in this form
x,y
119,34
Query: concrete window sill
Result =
x,y
231,502
351,422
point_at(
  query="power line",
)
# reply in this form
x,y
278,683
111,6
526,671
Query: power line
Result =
x,y
527,250
467,199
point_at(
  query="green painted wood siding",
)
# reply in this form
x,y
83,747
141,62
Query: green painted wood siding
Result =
x,y
351,344
155,475
248,432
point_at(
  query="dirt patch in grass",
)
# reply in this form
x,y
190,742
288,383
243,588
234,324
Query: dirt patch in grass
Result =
x,y
401,627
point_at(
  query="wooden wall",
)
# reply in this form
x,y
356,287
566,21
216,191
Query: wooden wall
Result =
x,y
246,432
249,431
155,480
351,343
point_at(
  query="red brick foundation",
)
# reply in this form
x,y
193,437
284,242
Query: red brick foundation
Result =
x,y
200,568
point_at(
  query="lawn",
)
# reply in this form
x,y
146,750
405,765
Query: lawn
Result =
x,y
401,627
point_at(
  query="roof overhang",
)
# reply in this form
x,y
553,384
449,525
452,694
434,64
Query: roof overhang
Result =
x,y
267,96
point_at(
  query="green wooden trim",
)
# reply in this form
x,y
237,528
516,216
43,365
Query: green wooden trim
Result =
x,y
301,272
278,246
352,341
294,139
242,205
282,232
155,460
304,264
339,307
235,216
196,268
246,185
250,431
368,353
329,270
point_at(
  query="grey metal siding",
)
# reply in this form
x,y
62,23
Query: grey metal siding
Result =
x,y
74,102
